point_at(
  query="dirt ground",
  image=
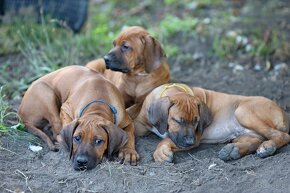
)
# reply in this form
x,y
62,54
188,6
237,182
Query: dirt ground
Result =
x,y
197,170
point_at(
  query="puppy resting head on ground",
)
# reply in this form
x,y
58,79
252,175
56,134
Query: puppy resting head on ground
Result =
x,y
134,51
181,117
88,139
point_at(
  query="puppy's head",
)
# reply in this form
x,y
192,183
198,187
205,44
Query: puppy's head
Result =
x,y
134,51
181,117
89,139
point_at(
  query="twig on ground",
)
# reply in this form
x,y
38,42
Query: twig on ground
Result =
x,y
86,190
26,178
194,158
2,184
64,181
109,168
8,190
2,148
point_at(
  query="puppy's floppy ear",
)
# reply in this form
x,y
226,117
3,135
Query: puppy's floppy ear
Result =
x,y
158,114
67,135
205,116
153,53
117,138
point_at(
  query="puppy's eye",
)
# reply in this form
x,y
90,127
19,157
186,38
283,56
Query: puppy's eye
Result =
x,y
77,139
177,121
125,47
98,141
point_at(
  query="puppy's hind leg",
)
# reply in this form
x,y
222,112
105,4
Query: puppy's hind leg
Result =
x,y
38,132
55,122
50,111
268,120
39,108
239,147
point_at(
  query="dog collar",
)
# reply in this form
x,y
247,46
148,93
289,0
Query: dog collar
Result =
x,y
113,109
166,87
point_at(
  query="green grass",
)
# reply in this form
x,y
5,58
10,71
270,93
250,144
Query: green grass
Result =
x,y
11,124
4,114
7,116
45,48
228,46
171,25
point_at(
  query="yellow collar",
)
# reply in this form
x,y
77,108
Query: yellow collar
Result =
x,y
166,87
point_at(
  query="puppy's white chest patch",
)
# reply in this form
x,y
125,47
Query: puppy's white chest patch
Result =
x,y
224,130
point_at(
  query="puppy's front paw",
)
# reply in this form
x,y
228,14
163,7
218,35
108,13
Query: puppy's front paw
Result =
x,y
229,152
163,153
128,155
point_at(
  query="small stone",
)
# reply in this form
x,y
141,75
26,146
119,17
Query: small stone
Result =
x,y
151,173
258,67
143,172
192,6
282,66
197,56
248,47
238,68
281,69
35,148
231,64
206,20
239,39
231,34
242,40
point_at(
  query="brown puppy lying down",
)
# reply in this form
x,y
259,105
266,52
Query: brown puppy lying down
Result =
x,y
187,116
89,109
136,65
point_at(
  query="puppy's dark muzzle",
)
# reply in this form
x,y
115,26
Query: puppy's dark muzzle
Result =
x,y
189,141
85,162
108,61
113,64
81,162
182,141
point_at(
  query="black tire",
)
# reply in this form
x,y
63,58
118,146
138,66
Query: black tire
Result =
x,y
72,12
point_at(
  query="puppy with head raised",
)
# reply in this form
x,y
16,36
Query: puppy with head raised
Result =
x,y
86,109
187,116
136,65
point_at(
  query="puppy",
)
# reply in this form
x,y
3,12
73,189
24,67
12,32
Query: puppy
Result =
x,y
184,117
90,110
135,65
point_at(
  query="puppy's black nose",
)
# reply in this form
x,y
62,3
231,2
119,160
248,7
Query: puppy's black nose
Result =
x,y
82,160
108,58
189,140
